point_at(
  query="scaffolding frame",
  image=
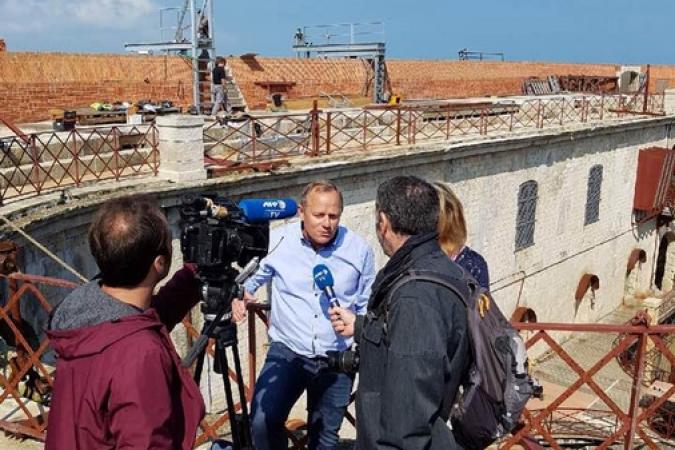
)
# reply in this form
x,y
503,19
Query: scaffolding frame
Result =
x,y
346,40
200,47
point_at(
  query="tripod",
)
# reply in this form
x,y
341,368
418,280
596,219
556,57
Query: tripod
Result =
x,y
221,328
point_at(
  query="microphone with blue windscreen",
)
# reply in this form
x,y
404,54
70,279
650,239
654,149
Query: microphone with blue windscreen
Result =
x,y
257,210
323,278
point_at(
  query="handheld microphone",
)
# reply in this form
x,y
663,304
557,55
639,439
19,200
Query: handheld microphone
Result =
x,y
257,210
324,281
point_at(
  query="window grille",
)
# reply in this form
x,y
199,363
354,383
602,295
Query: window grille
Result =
x,y
527,207
593,195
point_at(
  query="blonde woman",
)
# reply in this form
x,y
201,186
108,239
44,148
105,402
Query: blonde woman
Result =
x,y
452,235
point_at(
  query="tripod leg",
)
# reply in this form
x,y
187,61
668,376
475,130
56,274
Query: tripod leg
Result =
x,y
221,363
247,439
199,366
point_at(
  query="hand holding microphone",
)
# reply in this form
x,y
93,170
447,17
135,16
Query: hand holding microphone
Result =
x,y
342,319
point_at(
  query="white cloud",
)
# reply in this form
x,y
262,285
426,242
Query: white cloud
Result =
x,y
27,16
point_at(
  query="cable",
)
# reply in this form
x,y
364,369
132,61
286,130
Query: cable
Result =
x,y
43,248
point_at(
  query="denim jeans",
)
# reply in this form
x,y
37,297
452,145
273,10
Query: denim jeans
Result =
x,y
283,379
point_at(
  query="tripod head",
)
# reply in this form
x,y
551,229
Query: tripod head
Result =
x,y
217,306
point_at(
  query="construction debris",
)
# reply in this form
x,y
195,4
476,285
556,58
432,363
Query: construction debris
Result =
x,y
99,113
554,84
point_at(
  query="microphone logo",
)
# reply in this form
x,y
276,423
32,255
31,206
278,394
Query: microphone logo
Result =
x,y
274,204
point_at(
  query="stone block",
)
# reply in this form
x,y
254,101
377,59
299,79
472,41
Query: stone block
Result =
x,y
669,101
179,128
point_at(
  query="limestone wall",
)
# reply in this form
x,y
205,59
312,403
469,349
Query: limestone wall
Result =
x,y
486,175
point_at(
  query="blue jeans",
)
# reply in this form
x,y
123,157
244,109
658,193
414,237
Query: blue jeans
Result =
x,y
283,379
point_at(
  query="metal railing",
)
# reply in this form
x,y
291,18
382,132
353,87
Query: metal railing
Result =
x,y
265,138
624,419
614,417
42,162
26,379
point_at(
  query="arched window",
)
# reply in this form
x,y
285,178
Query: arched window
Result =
x,y
593,195
527,208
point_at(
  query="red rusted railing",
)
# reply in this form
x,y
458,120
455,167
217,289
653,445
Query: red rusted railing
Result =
x,y
48,161
261,139
626,420
26,381
637,411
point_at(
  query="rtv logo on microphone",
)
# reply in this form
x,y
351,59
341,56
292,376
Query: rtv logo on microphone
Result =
x,y
274,204
277,206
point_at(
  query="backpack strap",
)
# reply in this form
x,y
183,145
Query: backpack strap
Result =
x,y
464,288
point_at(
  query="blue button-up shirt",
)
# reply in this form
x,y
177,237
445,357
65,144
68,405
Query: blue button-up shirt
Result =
x,y
299,310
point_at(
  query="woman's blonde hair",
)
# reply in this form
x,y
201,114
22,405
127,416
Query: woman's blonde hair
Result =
x,y
451,223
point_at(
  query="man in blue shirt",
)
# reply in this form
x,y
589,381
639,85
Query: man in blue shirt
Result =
x,y
300,330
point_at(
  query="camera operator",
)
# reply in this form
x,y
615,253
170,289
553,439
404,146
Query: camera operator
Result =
x,y
119,382
300,330
413,343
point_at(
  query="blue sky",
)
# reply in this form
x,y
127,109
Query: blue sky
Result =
x,y
614,31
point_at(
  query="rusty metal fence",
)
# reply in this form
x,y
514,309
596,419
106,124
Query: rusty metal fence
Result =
x,y
41,162
634,413
26,378
273,137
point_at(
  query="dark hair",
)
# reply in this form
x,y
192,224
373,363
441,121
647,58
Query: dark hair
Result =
x,y
125,237
410,204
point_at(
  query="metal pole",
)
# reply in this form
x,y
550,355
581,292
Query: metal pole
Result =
x,y
635,391
646,99
329,119
398,125
315,128
195,57
212,28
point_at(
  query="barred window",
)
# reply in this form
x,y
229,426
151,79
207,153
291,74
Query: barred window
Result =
x,y
527,208
593,195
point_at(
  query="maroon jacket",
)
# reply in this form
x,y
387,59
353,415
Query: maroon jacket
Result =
x,y
119,383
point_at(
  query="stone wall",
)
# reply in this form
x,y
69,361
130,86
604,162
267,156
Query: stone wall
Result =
x,y
486,175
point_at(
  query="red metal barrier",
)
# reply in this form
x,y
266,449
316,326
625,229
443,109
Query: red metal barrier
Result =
x,y
29,397
644,415
632,422
48,161
251,141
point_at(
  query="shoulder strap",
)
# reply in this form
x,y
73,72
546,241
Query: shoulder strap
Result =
x,y
453,284
462,288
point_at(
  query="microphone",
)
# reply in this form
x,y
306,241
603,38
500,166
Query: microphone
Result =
x,y
258,210
323,278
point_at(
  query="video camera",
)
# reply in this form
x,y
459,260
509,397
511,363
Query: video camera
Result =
x,y
216,232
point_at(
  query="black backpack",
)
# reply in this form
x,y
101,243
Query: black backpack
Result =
x,y
493,395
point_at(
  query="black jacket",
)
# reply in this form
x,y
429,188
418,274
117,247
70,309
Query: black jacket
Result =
x,y
408,363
